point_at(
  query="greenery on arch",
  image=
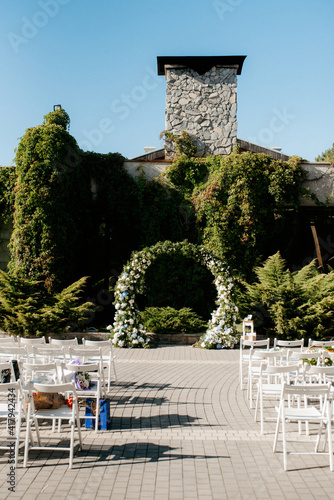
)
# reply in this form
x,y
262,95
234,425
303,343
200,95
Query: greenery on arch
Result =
x,y
127,331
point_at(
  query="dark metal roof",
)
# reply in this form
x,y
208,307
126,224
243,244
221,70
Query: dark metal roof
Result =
x,y
200,64
157,154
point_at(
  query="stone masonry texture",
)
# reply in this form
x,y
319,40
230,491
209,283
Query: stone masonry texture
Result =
x,y
205,106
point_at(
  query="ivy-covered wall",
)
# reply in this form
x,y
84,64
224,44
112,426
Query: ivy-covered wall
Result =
x,y
78,213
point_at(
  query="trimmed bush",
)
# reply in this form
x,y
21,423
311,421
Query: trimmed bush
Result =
x,y
169,320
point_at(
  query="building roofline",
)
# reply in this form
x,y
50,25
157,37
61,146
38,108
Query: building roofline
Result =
x,y
200,64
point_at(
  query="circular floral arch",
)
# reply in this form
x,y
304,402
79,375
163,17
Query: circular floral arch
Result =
x,y
127,330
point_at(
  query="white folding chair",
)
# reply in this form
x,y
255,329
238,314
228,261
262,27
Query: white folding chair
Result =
x,y
307,413
108,357
244,353
94,391
270,385
63,413
12,411
256,358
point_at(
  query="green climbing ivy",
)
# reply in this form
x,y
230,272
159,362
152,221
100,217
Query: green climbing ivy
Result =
x,y
240,201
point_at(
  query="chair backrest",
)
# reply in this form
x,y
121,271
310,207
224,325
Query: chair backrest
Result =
x,y
251,344
7,340
97,343
87,367
85,353
324,374
14,352
63,342
269,355
297,355
320,343
6,372
289,343
24,341
48,352
314,390
282,372
254,343
105,345
51,372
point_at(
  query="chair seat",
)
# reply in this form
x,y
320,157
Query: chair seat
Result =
x,y
88,392
64,412
309,413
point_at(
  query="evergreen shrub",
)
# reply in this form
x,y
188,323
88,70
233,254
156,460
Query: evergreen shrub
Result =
x,y
290,305
169,320
26,309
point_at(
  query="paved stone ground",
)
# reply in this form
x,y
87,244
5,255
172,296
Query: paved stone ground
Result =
x,y
181,429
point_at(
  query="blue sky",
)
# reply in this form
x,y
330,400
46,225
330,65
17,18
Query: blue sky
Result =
x,y
98,60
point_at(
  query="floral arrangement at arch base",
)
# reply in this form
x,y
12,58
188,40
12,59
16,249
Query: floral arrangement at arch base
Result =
x,y
127,331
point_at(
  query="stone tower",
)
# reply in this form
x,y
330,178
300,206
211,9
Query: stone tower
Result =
x,y
201,98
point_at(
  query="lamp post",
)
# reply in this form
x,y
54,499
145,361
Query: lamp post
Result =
x,y
56,107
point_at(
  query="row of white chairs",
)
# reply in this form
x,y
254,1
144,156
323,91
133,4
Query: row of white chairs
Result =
x,y
40,351
19,405
51,367
282,375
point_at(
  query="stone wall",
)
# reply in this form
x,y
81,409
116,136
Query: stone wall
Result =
x,y
320,181
205,106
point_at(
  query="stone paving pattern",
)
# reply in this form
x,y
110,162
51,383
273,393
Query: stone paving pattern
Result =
x,y
181,429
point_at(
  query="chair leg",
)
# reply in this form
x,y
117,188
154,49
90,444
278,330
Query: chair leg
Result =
x,y
329,434
37,431
250,392
261,412
27,440
78,423
18,429
71,445
256,404
240,374
97,413
114,370
285,453
277,429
